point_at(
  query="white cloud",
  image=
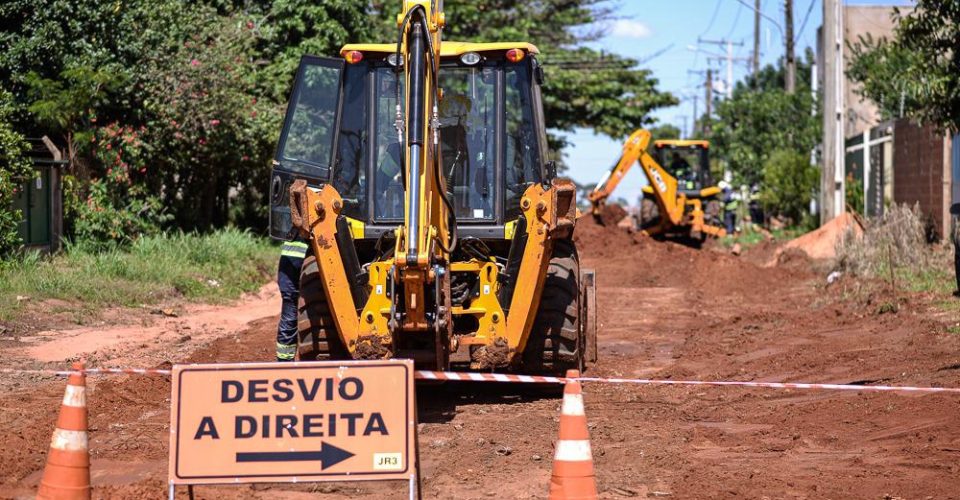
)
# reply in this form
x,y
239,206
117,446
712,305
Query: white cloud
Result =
x,y
630,29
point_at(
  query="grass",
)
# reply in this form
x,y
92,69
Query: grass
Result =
x,y
750,238
211,268
932,279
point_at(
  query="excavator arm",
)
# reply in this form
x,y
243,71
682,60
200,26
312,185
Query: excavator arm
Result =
x,y
425,241
632,149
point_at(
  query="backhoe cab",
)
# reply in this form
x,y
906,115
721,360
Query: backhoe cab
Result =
x,y
680,199
418,173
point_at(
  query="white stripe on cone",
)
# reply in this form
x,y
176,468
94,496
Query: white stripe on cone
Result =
x,y
75,396
574,450
69,440
573,405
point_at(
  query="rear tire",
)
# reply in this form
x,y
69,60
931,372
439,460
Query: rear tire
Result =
x,y
649,213
711,213
318,338
556,342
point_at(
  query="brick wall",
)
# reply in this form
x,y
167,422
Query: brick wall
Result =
x,y
918,170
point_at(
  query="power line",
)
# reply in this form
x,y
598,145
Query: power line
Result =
x,y
736,20
806,17
713,19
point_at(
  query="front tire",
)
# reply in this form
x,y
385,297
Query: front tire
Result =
x,y
318,338
556,342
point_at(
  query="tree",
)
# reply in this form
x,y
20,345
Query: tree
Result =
x,y
918,72
789,183
80,70
14,169
664,132
762,118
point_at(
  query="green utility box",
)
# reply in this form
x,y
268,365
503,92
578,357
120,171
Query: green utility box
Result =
x,y
40,199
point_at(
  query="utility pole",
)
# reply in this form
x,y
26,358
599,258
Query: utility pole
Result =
x,y
706,121
832,196
695,115
708,86
729,57
756,43
791,59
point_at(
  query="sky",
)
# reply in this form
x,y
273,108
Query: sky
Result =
x,y
643,28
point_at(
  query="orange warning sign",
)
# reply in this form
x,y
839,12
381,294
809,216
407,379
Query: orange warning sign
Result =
x,y
279,422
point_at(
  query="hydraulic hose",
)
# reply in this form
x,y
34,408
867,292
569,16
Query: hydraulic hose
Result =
x,y
435,67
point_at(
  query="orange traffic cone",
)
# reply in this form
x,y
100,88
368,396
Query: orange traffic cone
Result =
x,y
67,474
573,476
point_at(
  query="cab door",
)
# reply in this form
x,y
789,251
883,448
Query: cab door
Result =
x,y
308,138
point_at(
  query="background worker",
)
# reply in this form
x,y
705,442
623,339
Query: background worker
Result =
x,y
292,254
730,204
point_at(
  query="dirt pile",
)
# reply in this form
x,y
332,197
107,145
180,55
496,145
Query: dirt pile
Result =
x,y
821,244
612,214
631,259
601,241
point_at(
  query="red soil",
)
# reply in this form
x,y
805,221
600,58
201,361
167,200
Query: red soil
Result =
x,y
667,311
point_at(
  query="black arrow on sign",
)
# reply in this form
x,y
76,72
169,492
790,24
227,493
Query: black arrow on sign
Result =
x,y
328,455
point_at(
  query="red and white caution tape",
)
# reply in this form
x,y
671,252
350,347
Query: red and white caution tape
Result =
x,y
487,377
92,371
499,377
538,379
773,385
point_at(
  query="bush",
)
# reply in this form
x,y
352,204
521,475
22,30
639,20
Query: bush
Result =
x,y
789,183
897,239
116,208
854,192
14,169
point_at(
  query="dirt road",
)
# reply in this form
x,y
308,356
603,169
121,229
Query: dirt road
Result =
x,y
667,312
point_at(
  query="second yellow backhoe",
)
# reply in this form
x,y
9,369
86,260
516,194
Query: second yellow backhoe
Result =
x,y
680,201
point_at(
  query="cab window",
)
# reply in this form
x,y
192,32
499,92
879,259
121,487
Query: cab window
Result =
x,y
522,162
468,139
388,192
349,177
308,141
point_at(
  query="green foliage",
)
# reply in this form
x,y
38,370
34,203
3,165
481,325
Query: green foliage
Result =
x,y
917,70
664,132
789,183
211,268
211,127
117,210
854,193
63,104
762,118
14,168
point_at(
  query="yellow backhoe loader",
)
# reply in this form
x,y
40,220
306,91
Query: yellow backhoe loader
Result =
x,y
680,201
418,173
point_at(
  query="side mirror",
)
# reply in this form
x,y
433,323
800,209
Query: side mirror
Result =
x,y
538,74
